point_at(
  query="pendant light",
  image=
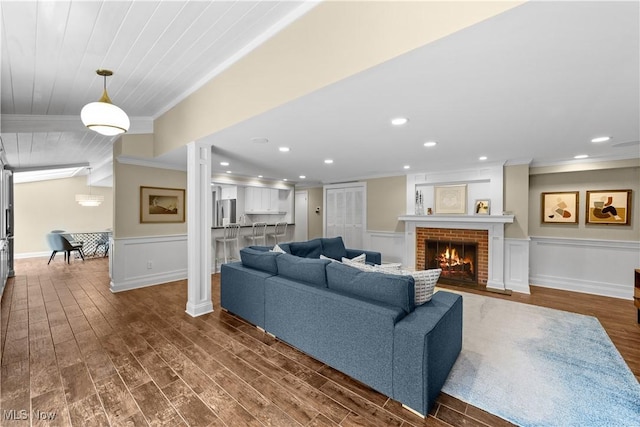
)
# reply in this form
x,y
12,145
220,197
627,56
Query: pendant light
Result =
x,y
89,199
102,116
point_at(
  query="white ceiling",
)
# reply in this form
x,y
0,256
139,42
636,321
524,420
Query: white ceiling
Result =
x,y
534,84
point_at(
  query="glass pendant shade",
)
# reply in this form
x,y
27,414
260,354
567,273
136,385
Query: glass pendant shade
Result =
x,y
89,199
102,116
105,118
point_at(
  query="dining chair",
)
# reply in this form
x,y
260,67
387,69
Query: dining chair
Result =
x,y
279,231
258,232
230,235
59,243
102,242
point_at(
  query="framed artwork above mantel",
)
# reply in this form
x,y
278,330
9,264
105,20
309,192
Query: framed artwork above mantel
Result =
x,y
450,199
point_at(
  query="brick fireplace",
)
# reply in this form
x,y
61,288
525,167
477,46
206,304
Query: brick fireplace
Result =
x,y
486,230
452,238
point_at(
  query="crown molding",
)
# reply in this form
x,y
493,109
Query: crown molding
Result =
x,y
136,161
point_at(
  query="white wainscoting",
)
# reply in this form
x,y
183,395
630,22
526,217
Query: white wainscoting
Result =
x,y
137,262
516,265
601,267
390,244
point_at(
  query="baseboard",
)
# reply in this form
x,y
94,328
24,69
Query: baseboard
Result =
x,y
613,290
25,255
150,280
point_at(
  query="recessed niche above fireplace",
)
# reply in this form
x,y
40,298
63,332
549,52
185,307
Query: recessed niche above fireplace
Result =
x,y
458,260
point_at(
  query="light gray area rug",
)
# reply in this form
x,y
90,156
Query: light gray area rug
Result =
x,y
536,366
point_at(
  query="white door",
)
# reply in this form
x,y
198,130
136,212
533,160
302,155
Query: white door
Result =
x,y
301,216
345,213
353,217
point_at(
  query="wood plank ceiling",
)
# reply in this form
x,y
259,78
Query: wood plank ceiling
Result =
x,y
159,52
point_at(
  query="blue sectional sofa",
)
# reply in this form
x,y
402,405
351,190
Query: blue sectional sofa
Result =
x,y
364,324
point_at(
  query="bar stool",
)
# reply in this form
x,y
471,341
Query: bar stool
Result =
x,y
280,231
258,232
231,234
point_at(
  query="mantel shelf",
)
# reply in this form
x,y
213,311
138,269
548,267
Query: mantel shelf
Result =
x,y
476,219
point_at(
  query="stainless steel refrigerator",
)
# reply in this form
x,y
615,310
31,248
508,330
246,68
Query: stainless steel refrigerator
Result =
x,y
226,212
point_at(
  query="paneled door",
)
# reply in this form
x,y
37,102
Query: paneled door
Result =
x,y
345,213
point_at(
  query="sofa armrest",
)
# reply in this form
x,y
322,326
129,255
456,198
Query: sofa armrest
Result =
x,y
372,257
426,343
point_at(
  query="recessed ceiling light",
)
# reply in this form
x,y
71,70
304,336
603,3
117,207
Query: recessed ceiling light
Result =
x,y
399,121
259,176
328,161
581,156
430,144
228,171
601,139
285,179
302,177
407,167
284,149
224,163
482,158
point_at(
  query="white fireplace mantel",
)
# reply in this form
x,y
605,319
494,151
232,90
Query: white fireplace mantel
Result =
x,y
473,219
494,224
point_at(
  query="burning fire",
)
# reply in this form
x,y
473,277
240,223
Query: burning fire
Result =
x,y
450,258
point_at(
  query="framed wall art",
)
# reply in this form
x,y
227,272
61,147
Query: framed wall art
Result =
x,y
482,207
161,205
451,199
560,207
611,207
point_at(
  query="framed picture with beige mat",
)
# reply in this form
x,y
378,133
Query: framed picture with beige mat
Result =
x,y
609,207
161,205
560,207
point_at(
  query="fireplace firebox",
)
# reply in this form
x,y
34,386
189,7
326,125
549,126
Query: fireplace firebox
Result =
x,y
458,260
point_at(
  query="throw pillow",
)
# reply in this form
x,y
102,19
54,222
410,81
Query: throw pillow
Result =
x,y
359,265
360,258
330,259
277,249
425,281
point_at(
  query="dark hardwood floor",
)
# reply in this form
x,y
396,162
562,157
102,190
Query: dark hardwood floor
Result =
x,y
73,353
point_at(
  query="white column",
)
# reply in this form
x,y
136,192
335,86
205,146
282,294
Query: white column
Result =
x,y
199,229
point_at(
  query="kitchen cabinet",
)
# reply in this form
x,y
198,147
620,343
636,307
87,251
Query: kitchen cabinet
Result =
x,y
229,192
262,201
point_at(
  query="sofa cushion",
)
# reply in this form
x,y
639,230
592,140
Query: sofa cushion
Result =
x,y
309,270
260,260
334,248
397,291
285,247
308,249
